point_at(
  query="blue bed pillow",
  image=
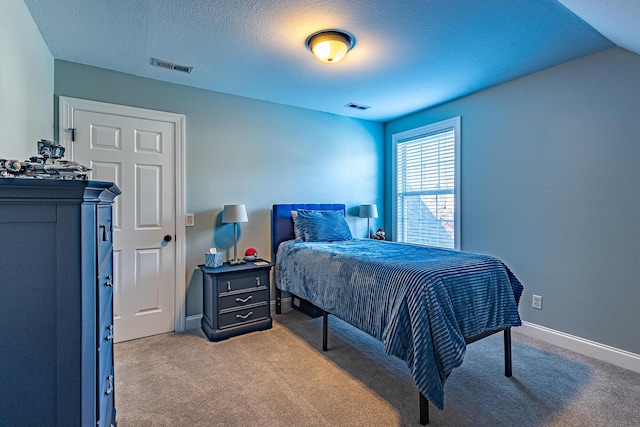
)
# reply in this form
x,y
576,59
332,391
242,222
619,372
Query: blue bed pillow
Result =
x,y
320,225
297,228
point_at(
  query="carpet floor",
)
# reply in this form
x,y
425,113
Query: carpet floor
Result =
x,y
280,377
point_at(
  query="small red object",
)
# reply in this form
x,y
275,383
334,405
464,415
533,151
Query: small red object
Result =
x,y
251,252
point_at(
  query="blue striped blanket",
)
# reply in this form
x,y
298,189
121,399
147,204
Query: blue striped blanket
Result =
x,y
421,302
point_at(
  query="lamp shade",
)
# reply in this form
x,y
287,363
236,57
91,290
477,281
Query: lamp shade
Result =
x,y
234,213
368,211
330,46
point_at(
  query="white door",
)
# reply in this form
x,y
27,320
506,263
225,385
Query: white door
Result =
x,y
137,153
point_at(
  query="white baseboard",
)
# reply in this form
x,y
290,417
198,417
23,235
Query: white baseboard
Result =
x,y
615,356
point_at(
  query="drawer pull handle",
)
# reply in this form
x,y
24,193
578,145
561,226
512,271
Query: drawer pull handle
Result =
x,y
244,300
257,281
228,286
110,389
105,235
109,281
240,316
110,336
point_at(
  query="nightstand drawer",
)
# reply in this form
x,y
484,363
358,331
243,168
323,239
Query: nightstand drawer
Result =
x,y
241,299
246,315
230,283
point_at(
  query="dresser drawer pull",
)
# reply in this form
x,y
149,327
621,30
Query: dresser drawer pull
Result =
x,y
240,316
110,336
109,281
257,281
228,286
244,300
110,389
105,235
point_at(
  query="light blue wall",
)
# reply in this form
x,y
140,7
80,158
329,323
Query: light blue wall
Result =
x,y
550,185
240,150
26,83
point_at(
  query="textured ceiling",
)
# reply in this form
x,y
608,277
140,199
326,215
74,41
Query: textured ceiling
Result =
x,y
408,55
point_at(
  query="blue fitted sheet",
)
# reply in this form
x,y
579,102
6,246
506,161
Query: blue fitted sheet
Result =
x,y
421,302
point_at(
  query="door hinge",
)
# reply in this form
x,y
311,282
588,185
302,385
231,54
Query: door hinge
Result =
x,y
73,134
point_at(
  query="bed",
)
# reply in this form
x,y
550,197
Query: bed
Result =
x,y
425,304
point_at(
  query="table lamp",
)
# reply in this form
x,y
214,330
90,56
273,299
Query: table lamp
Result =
x,y
235,214
368,211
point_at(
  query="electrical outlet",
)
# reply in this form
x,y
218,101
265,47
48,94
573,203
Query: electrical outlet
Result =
x,y
537,302
189,220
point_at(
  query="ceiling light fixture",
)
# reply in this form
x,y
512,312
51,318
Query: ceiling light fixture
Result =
x,y
330,45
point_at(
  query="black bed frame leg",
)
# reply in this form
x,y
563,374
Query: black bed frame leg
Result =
x,y
424,410
278,301
507,352
325,327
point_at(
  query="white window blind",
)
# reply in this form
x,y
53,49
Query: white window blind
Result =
x,y
427,185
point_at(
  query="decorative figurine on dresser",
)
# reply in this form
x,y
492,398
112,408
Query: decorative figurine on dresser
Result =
x,y
235,298
56,298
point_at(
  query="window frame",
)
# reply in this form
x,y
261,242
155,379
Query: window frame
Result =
x,y
420,132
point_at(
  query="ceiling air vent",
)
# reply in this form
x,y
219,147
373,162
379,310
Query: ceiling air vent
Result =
x,y
357,106
170,65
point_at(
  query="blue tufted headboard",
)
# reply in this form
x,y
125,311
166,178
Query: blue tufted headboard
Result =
x,y
282,224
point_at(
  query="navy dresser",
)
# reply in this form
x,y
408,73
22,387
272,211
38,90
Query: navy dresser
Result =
x,y
56,303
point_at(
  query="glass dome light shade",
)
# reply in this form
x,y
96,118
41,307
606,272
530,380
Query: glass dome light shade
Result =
x,y
330,46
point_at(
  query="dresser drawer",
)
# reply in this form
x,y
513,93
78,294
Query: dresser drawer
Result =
x,y
249,314
241,299
104,365
230,283
106,412
105,399
105,232
105,292
104,351
105,344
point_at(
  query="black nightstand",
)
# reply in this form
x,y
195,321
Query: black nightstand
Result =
x,y
235,299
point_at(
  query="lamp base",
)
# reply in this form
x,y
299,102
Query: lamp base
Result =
x,y
237,261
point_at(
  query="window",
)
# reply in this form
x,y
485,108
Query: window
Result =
x,y
427,185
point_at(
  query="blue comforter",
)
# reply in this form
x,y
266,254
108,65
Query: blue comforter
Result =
x,y
421,302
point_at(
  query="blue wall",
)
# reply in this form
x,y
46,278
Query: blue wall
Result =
x,y
240,150
26,83
549,175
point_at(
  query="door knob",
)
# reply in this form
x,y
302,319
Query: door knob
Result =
x,y
167,238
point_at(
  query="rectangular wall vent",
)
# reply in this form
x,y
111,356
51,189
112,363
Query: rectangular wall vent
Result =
x,y
170,65
357,106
